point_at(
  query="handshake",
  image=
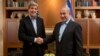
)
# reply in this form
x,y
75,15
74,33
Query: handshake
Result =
x,y
39,40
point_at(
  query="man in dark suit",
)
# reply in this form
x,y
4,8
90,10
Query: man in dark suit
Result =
x,y
67,34
30,28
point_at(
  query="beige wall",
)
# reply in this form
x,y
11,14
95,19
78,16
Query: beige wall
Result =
x,y
1,28
49,10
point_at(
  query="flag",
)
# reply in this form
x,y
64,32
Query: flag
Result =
x,y
69,5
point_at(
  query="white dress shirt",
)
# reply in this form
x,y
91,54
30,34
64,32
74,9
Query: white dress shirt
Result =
x,y
34,26
62,28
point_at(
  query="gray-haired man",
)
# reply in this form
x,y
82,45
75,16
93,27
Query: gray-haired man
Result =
x,y
30,28
67,34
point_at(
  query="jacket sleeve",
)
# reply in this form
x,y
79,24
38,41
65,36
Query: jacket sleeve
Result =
x,y
52,37
78,41
22,33
43,29
43,34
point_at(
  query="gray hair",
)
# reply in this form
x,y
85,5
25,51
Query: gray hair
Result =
x,y
32,3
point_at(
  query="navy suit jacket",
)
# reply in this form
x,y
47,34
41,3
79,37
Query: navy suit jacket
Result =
x,y
27,35
71,43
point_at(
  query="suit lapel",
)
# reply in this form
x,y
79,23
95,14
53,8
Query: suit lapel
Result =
x,y
57,31
38,25
66,30
30,25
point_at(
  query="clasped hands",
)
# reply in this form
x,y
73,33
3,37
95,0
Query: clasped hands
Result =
x,y
39,40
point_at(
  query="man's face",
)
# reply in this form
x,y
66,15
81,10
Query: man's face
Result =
x,y
32,11
64,14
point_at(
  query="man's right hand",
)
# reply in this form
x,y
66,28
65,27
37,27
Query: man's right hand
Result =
x,y
39,40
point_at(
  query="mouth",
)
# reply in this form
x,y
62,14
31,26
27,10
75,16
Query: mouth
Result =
x,y
32,12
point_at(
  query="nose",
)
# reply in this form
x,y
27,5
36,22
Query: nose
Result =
x,y
33,10
62,15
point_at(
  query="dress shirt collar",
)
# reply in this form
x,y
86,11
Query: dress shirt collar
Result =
x,y
32,18
67,21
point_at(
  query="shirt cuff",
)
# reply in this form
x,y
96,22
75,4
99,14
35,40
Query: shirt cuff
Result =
x,y
35,39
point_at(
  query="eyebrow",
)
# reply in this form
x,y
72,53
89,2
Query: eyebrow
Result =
x,y
62,13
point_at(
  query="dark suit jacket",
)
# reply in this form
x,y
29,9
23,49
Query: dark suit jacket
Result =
x,y
71,42
27,34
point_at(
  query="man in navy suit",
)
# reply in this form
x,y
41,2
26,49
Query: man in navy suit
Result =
x,y
67,34
30,29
